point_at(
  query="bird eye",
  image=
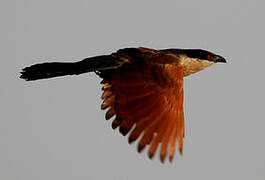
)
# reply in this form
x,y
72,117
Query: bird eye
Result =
x,y
208,57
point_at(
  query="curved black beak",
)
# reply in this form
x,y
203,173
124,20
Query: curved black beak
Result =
x,y
220,59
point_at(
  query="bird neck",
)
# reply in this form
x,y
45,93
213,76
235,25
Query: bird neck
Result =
x,y
193,65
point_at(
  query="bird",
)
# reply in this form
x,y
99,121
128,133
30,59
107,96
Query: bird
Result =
x,y
142,91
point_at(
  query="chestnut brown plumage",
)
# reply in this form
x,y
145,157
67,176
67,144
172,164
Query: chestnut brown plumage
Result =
x,y
142,90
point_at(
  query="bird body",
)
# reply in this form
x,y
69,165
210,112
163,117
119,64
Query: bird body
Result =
x,y
142,90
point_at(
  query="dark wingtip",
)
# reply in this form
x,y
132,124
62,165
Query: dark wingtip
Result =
x,y
123,131
181,151
140,148
150,155
131,139
171,159
114,125
162,158
110,113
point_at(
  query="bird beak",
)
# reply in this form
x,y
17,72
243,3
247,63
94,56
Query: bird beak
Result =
x,y
220,59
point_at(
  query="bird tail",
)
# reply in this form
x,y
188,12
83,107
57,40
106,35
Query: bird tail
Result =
x,y
55,69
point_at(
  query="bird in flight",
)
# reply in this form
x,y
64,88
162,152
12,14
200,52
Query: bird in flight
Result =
x,y
142,90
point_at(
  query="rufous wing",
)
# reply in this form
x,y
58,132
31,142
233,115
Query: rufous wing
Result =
x,y
147,102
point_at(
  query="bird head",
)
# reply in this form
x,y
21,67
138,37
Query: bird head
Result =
x,y
201,54
194,60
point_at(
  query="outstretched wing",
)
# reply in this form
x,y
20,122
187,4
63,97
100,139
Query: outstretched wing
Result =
x,y
146,99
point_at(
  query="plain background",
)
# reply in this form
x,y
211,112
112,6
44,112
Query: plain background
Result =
x,y
54,129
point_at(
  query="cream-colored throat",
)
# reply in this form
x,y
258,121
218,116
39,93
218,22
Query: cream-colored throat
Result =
x,y
193,65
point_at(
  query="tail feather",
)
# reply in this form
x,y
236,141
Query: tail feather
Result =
x,y
55,69
47,70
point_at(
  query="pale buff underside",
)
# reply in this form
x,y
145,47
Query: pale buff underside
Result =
x,y
193,65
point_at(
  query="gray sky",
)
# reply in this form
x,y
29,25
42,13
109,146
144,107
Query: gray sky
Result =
x,y
54,129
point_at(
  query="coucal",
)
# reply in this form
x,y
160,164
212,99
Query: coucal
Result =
x,y
142,89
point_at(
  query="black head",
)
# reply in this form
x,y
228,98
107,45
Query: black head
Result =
x,y
203,55
198,54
